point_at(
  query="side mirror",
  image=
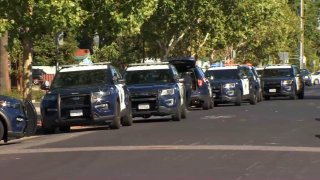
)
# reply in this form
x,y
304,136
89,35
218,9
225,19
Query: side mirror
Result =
x,y
121,81
45,85
181,80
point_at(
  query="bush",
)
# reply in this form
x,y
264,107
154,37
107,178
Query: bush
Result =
x,y
36,94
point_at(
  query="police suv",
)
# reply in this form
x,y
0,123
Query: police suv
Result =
x,y
156,90
86,95
233,84
282,80
17,118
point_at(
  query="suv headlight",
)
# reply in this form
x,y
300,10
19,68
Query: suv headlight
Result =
x,y
50,97
286,82
229,85
97,96
9,104
165,92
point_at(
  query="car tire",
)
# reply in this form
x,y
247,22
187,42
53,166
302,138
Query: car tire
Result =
x,y
267,97
301,94
116,122
206,104
316,82
215,104
184,111
65,129
1,131
253,98
293,96
177,115
127,119
238,98
48,129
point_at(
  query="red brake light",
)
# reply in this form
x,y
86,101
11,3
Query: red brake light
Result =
x,y
200,82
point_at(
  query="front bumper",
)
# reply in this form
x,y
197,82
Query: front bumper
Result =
x,y
277,91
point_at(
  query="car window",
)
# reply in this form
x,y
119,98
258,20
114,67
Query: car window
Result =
x,y
149,76
81,78
223,74
281,72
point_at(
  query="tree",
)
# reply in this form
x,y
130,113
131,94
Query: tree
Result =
x,y
29,18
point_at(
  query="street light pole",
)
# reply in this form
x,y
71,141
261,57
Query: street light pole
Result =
x,y
301,33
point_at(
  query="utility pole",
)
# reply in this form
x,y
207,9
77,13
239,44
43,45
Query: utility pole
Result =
x,y
301,33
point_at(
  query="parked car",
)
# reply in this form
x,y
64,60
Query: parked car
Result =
x,y
282,80
315,78
15,116
37,76
306,76
233,84
198,90
156,90
86,95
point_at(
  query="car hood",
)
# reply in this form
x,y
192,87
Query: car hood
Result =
x,y
151,87
81,90
222,81
9,99
275,78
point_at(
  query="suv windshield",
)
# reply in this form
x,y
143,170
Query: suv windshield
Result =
x,y
277,72
80,78
149,76
223,74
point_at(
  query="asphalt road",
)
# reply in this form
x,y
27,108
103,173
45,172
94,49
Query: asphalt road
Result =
x,y
277,139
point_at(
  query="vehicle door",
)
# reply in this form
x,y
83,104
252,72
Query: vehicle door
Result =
x,y
120,87
181,87
245,82
32,117
298,78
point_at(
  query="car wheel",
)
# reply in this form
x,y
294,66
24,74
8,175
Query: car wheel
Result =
x,y
184,111
116,122
266,97
177,115
239,98
1,131
316,81
47,129
65,129
301,94
127,119
215,104
206,104
253,98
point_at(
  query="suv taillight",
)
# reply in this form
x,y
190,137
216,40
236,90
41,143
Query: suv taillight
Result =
x,y
200,82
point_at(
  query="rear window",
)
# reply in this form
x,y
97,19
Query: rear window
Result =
x,y
223,74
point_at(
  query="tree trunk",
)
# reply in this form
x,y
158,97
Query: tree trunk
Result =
x,y
27,68
5,83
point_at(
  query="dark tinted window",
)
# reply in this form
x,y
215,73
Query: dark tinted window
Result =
x,y
81,78
304,72
281,72
149,76
223,74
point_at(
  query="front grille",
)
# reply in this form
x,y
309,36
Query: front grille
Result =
x,y
216,89
145,98
75,102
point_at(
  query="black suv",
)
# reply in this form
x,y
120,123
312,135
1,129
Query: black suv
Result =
x,y
198,90
156,90
306,74
37,76
233,84
282,80
86,95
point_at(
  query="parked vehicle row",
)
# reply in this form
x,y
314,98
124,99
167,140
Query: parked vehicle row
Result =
x,y
99,94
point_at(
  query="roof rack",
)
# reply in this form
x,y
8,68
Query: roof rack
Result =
x,y
79,65
148,64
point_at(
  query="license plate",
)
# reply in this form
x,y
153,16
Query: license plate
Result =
x,y
272,90
144,106
76,113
